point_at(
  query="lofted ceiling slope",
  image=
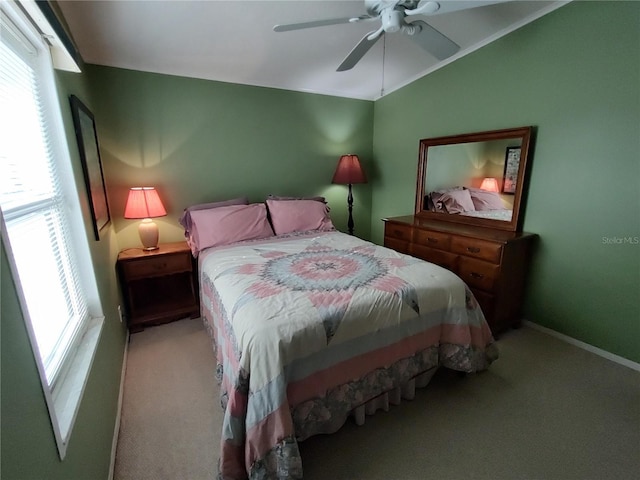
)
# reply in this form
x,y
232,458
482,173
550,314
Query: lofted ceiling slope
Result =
x,y
234,41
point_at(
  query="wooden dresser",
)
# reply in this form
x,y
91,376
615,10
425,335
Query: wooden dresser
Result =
x,y
493,263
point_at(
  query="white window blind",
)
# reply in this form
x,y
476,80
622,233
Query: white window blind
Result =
x,y
33,205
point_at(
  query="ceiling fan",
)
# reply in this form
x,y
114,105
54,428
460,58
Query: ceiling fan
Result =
x,y
397,16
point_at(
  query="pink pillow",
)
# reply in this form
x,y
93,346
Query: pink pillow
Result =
x,y
299,216
484,200
433,198
457,201
225,225
185,218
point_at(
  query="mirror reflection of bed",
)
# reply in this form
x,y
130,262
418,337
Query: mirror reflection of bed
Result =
x,y
470,179
474,177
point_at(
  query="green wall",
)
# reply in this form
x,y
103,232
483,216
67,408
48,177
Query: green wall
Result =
x,y
201,141
575,75
28,446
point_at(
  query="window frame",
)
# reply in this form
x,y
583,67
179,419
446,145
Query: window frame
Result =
x,y
64,393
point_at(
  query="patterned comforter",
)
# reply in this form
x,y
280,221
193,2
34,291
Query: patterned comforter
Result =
x,y
308,327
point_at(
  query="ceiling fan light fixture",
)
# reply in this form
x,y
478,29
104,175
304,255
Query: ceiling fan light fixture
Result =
x,y
392,20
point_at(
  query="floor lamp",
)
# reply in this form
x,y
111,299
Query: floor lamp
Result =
x,y
348,172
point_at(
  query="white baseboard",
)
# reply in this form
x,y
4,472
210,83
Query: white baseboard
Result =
x,y
585,346
116,427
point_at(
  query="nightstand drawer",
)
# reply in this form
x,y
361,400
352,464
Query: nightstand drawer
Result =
x,y
475,273
472,247
400,232
160,265
432,239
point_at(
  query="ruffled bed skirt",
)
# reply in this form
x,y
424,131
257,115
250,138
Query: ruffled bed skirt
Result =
x,y
376,390
392,397
327,415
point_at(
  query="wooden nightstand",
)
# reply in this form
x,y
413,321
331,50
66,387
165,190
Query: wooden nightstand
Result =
x,y
158,286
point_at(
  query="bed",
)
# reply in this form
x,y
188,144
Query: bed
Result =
x,y
471,202
312,326
502,214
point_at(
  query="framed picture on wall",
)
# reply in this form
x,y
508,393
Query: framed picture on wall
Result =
x,y
511,167
87,138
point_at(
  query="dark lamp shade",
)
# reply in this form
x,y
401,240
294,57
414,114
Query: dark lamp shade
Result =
x,y
349,171
144,202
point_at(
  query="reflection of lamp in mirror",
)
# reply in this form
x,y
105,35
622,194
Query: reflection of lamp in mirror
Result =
x,y
144,203
490,184
348,172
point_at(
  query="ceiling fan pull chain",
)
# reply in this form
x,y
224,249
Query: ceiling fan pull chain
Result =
x,y
384,51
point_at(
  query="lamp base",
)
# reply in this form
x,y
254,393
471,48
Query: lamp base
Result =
x,y
148,231
350,204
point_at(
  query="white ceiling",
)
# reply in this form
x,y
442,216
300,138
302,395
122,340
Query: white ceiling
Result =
x,y
234,41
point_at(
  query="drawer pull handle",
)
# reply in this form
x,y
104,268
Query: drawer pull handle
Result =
x,y
476,275
160,266
398,233
432,240
473,249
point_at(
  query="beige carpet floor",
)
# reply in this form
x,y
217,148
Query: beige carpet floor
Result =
x,y
544,410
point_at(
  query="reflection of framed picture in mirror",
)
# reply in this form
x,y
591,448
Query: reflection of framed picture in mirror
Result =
x,y
87,138
511,166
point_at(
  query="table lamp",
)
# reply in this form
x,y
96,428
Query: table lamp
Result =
x,y
490,184
144,203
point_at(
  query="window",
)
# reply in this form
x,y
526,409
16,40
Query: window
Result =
x,y
42,224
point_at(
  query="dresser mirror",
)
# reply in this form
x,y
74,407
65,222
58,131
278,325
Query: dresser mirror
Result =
x,y
475,179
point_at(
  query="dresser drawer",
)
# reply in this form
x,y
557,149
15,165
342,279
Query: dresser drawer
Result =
x,y
432,239
397,245
161,265
433,255
471,247
479,274
401,232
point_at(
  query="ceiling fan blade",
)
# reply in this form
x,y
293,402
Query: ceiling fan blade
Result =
x,y
434,42
359,50
443,6
319,23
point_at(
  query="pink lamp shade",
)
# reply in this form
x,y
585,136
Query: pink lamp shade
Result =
x,y
490,184
349,171
145,203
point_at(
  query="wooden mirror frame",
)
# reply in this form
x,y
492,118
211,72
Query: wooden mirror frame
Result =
x,y
522,133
